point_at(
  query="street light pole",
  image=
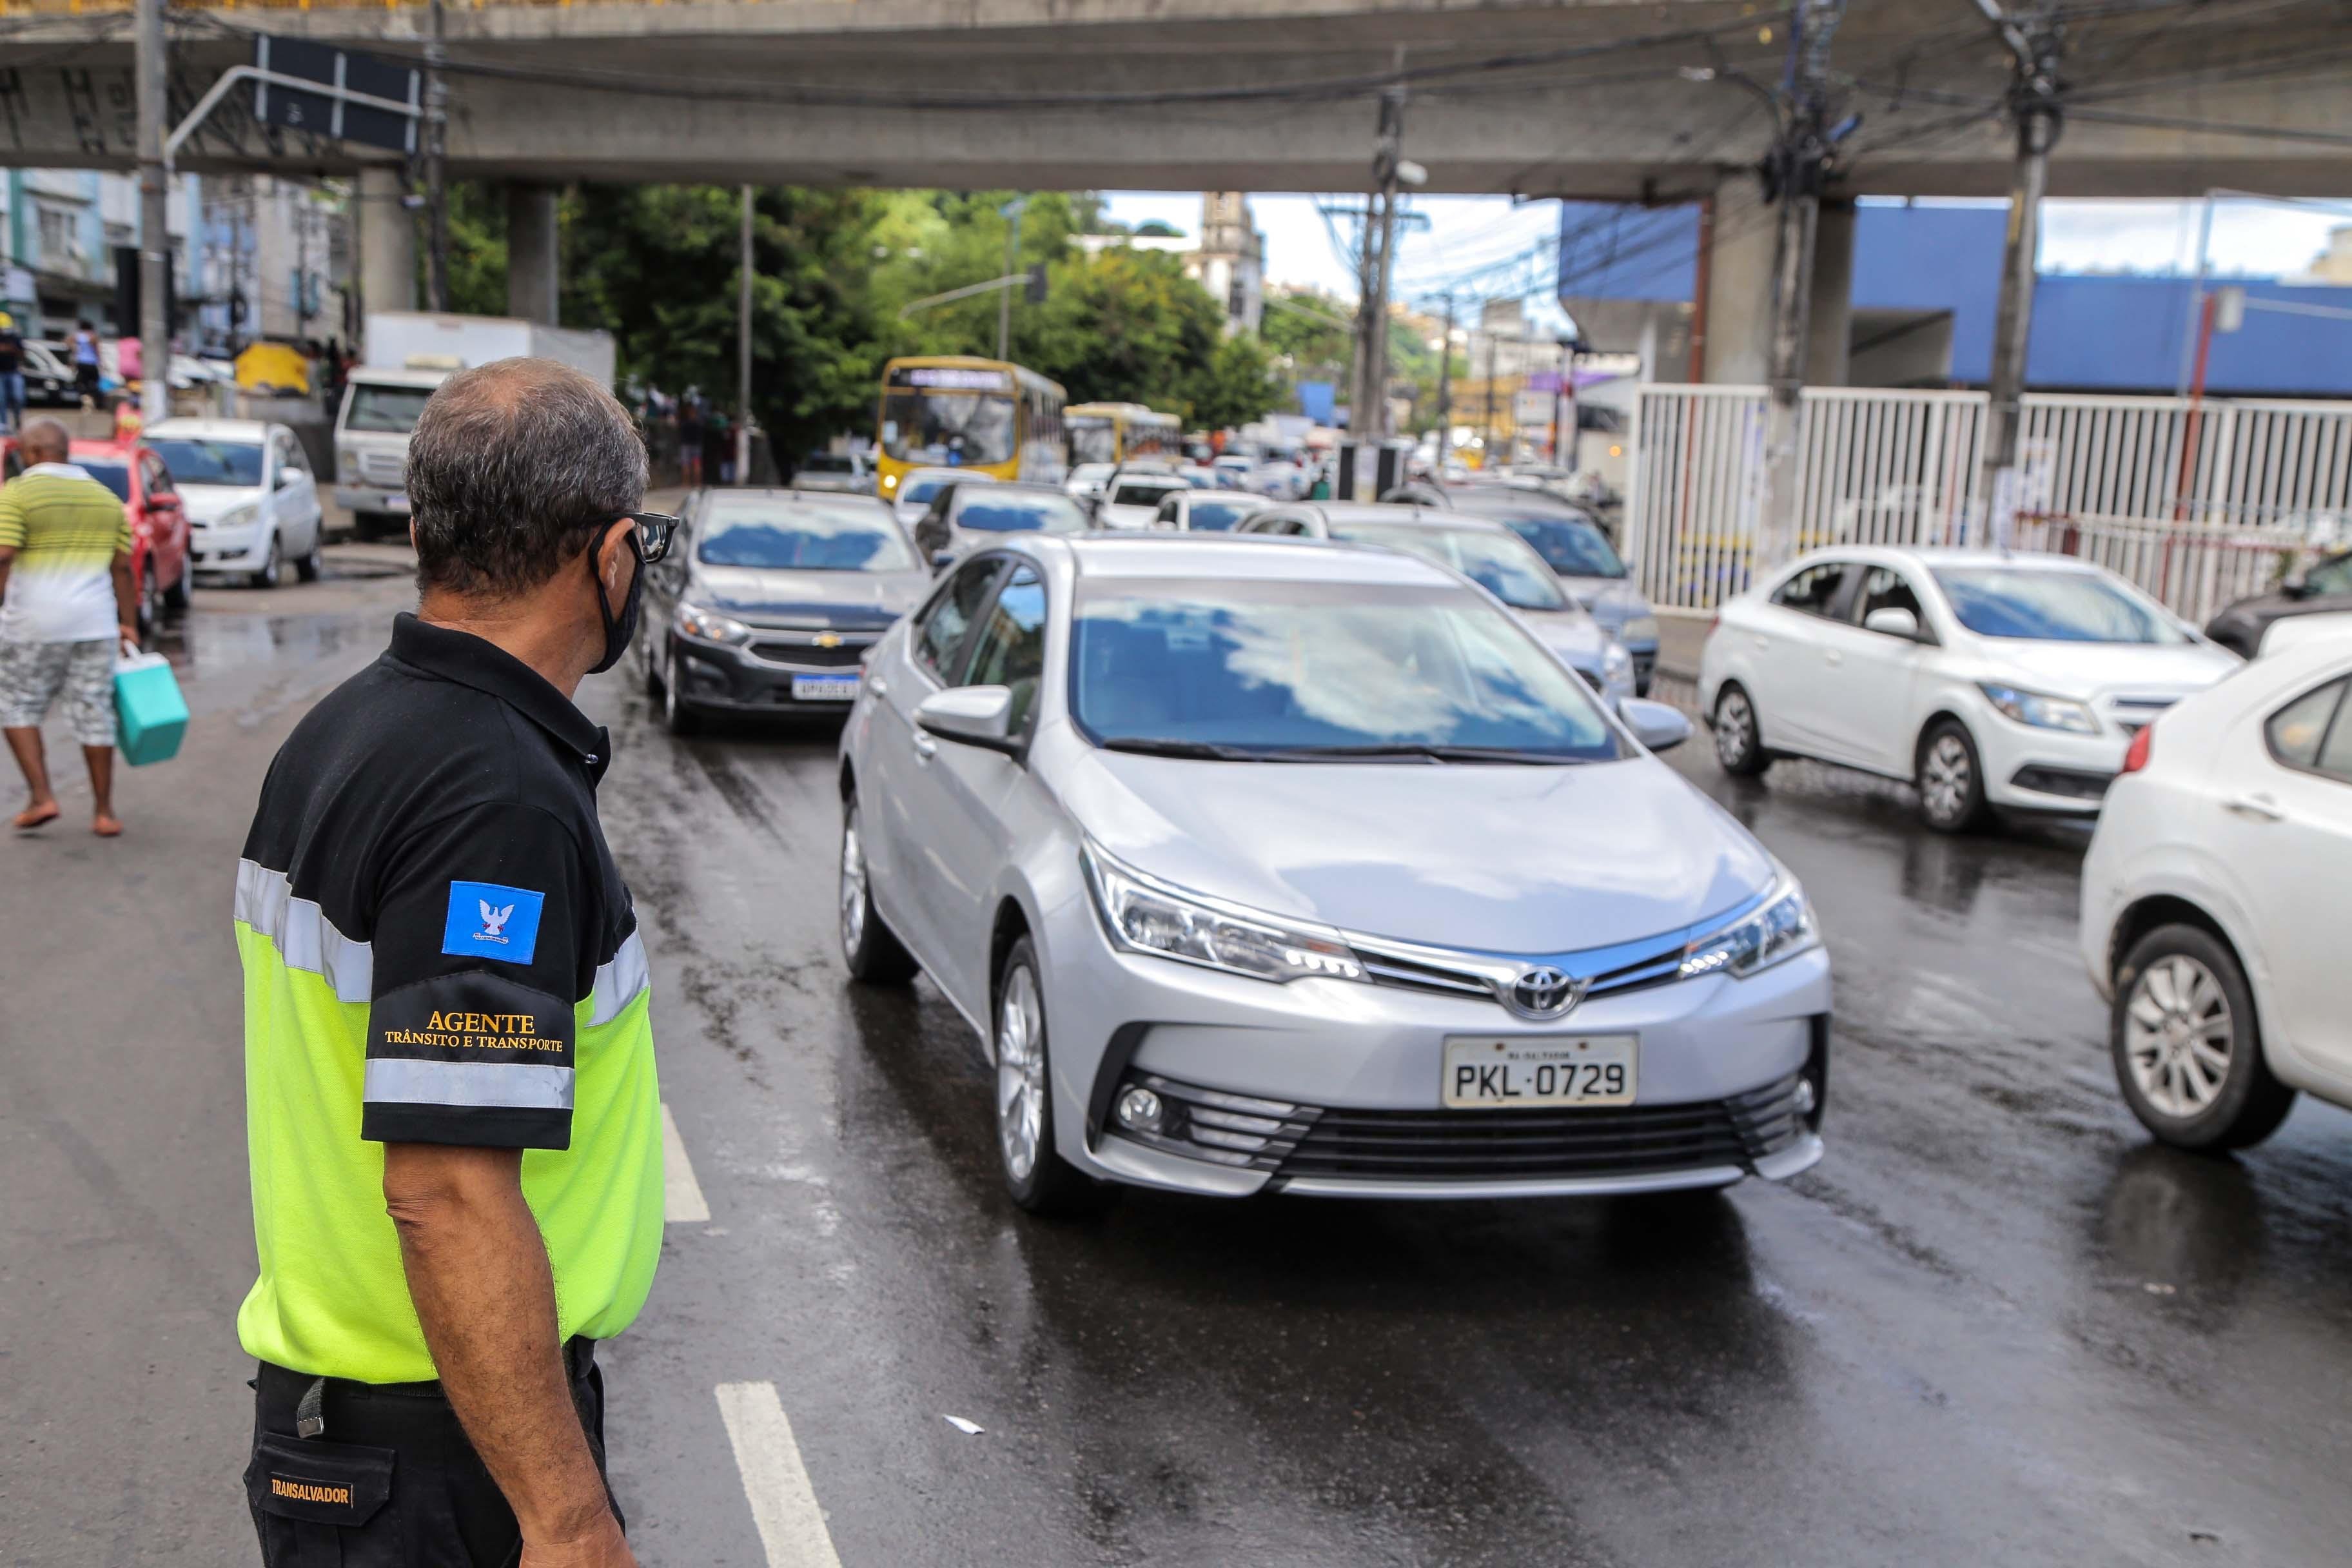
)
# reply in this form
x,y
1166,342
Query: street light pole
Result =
x,y
2033,46
743,354
154,218
1012,209
436,171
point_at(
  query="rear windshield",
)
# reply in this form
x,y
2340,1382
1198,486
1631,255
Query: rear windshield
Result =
x,y
996,512
1219,516
113,476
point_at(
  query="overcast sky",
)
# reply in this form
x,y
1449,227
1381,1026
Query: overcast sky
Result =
x,y
1468,233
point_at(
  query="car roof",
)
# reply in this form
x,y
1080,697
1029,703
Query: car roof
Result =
x,y
399,375
214,429
1191,557
790,493
1395,514
1030,486
1927,557
946,473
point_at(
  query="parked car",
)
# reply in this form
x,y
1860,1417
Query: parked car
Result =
x,y
253,504
2325,587
1186,511
1131,497
1994,681
849,473
768,599
963,516
2215,897
163,571
1577,548
920,485
1488,554
1151,813
48,379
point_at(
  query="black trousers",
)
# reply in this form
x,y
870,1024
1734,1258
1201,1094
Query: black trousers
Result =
x,y
391,1481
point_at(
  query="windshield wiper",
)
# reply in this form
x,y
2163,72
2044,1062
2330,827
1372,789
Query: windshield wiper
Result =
x,y
1428,751
1149,746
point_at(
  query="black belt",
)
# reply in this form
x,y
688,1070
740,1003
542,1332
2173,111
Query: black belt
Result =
x,y
311,1392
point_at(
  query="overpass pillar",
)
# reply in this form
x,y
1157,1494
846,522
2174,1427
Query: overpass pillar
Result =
x,y
1738,349
387,241
531,270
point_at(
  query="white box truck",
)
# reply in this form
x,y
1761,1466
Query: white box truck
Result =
x,y
406,354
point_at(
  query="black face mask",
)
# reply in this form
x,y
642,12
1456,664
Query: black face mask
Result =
x,y
618,630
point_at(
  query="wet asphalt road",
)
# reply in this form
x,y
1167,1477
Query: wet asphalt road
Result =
x,y
1994,1325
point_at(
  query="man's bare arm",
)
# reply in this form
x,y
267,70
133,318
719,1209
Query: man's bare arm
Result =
x,y
477,1271
7,560
126,598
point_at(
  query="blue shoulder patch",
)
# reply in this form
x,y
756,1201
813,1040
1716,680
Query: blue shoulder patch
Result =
x,y
489,921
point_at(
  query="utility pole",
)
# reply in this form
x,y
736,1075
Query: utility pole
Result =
x,y
1794,172
2033,46
1486,438
743,354
1446,389
150,74
436,170
1011,209
1375,310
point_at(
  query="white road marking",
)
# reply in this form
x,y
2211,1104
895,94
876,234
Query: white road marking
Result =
x,y
784,1505
681,1193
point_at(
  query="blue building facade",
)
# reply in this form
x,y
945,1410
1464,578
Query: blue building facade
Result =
x,y
2092,332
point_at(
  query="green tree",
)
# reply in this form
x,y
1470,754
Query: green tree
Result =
x,y
1237,386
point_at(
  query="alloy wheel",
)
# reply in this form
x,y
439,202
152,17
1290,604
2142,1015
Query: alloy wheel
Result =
x,y
1735,729
853,886
1020,1073
1947,778
2178,1035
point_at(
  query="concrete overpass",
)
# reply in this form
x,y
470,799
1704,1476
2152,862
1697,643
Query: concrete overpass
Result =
x,y
1577,97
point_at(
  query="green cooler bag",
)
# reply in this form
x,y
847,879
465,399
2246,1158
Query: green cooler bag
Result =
x,y
150,714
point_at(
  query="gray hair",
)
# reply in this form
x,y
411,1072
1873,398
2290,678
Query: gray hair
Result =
x,y
514,469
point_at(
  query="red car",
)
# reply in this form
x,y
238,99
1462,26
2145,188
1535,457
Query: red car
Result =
x,y
161,566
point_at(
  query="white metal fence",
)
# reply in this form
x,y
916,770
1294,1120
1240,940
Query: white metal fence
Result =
x,y
2105,478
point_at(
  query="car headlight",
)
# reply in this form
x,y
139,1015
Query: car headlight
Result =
x,y
710,625
1640,628
2042,712
1616,661
239,516
1781,928
1142,914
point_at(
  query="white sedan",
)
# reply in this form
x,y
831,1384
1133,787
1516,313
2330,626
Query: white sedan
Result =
x,y
1992,680
2215,897
252,501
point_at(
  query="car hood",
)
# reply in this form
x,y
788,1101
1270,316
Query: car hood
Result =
x,y
2095,669
1606,595
1529,859
1571,633
849,600
205,502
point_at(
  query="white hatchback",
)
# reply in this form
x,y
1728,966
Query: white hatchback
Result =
x,y
252,501
2215,897
1992,680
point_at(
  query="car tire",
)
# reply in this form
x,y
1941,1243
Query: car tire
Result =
x,y
1035,1175
1950,776
2179,989
273,569
653,672
871,949
678,716
314,564
1739,739
149,599
180,594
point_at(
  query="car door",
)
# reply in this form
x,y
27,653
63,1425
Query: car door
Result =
x,y
298,516
905,802
1863,693
1783,658
2282,831
964,791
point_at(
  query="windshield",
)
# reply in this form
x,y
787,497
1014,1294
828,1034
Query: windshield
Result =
x,y
1498,562
956,430
192,462
1134,493
113,476
391,410
2329,578
1298,667
1571,548
1218,516
802,538
2051,606
993,510
1092,439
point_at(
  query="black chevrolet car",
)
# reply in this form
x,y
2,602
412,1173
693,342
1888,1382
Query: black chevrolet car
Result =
x,y
2324,587
768,601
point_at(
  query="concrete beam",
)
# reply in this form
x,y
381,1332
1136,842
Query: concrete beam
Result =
x,y
531,253
387,241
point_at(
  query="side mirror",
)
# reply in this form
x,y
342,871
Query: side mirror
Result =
x,y
970,715
285,479
942,560
1894,621
1657,725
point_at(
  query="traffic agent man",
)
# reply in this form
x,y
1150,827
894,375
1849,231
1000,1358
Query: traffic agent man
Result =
x,y
454,1125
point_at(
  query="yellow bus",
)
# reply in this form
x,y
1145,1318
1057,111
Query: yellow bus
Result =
x,y
949,411
1122,432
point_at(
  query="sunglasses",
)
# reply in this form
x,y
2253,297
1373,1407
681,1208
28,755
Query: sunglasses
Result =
x,y
650,539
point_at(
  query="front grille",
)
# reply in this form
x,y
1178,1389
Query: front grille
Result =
x,y
1537,1146
384,467
1630,967
809,656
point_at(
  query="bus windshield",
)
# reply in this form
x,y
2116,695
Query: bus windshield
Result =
x,y
951,429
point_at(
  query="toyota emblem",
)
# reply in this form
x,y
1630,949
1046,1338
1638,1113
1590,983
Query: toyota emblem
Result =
x,y
1542,991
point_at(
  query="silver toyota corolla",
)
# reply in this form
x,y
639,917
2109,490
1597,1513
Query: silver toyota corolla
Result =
x,y
1272,867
